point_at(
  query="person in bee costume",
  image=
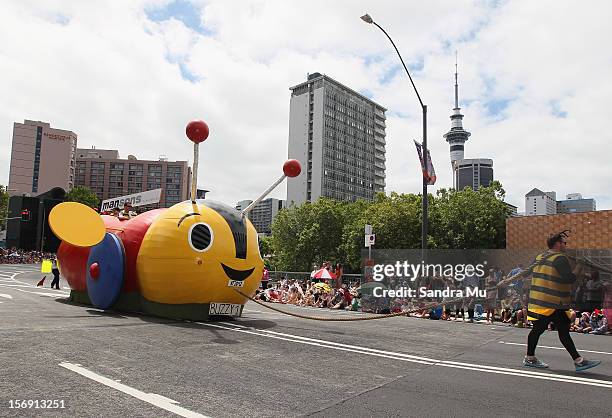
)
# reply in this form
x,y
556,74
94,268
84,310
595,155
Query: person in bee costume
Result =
x,y
549,299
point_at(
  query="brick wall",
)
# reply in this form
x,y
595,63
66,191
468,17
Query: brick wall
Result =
x,y
592,230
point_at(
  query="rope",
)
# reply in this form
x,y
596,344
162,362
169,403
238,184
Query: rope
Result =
x,y
323,318
522,275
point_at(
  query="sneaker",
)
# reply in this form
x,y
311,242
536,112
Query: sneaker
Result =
x,y
586,364
535,363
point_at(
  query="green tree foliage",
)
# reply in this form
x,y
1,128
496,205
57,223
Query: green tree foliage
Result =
x,y
469,219
308,234
83,195
328,230
3,206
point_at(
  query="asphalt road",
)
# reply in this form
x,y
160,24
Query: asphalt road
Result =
x,y
268,364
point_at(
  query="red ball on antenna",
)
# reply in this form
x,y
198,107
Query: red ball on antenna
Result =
x,y
197,131
292,168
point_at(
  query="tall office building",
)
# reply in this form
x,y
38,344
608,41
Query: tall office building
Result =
x,y
474,172
263,214
574,202
41,158
338,135
109,176
538,202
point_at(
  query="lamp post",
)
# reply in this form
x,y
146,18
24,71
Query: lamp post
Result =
x,y
368,19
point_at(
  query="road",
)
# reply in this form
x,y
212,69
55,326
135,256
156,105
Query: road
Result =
x,y
267,364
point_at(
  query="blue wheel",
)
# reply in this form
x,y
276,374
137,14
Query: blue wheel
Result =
x,y
105,271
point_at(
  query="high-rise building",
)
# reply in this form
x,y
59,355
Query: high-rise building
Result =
x,y
575,203
472,173
262,213
41,158
338,135
538,202
109,176
242,205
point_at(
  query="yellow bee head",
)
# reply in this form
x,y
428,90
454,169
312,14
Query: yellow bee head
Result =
x,y
198,252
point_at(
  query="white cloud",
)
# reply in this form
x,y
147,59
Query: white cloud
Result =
x,y
105,71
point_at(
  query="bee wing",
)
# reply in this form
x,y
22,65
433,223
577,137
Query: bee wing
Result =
x,y
77,224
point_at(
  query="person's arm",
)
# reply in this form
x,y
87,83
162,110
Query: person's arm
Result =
x,y
565,270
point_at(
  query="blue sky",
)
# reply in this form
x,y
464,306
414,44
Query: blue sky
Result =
x,y
181,10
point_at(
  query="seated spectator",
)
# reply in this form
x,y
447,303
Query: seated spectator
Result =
x,y
599,323
521,318
293,297
573,321
338,301
584,325
308,299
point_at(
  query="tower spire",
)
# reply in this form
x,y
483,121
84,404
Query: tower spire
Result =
x,y
457,136
456,84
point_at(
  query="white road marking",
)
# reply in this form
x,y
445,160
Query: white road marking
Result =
x,y
356,350
4,295
16,285
45,293
152,398
418,359
557,348
230,324
351,346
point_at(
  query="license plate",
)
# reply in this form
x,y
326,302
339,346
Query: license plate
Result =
x,y
225,309
235,283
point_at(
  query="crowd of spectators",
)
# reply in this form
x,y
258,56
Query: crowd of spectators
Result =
x,y
15,256
505,305
318,294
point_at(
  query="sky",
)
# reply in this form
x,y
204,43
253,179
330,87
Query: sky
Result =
x,y
130,74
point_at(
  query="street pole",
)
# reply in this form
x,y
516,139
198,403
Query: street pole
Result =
x,y
368,19
42,237
425,208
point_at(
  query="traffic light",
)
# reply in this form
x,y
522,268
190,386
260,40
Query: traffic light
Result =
x,y
26,215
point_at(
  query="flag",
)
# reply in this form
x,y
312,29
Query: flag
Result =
x,y
429,174
42,282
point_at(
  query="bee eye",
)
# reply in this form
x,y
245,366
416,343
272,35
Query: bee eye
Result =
x,y
200,237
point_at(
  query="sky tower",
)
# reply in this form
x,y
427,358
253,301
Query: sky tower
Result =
x,y
457,136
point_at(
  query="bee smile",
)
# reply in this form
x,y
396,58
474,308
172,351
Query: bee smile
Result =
x,y
237,274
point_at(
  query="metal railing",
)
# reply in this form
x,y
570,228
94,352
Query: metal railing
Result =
x,y
275,276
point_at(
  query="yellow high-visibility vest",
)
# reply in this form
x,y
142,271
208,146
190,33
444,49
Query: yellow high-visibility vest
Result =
x,y
548,289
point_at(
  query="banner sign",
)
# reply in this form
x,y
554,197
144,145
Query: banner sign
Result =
x,y
137,199
428,169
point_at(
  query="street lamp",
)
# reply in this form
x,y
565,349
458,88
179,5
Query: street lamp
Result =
x,y
368,19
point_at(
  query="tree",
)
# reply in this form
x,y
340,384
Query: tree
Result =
x,y
83,195
328,230
3,206
469,219
308,234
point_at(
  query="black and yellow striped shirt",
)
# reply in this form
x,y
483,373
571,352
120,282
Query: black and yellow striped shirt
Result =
x,y
551,285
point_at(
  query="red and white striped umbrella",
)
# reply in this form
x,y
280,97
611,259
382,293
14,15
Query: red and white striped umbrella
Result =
x,y
323,274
